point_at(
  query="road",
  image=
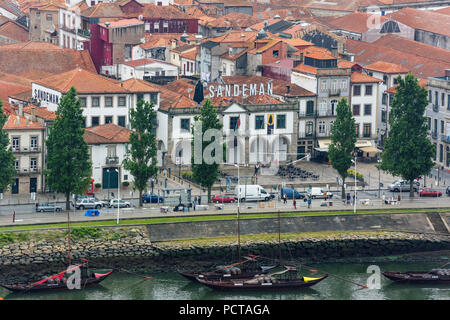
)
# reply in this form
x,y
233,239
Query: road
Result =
x,y
153,210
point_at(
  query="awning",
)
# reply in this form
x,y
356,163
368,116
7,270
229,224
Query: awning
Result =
x,y
370,150
363,143
324,144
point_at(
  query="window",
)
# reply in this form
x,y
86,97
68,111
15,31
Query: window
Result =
x,y
95,102
122,102
234,123
95,121
429,123
448,102
275,53
436,98
357,130
321,126
111,151
383,99
367,109
33,143
368,90
121,121
185,124
38,15
441,153
323,85
16,164
367,130
309,108
49,17
33,164
395,81
16,143
442,99
343,84
140,96
442,126
383,116
385,79
156,27
154,98
259,122
309,128
281,121
108,101
83,102
108,119
356,109
357,90
430,96
83,124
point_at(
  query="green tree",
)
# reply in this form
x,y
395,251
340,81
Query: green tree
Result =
x,y
7,158
204,173
408,150
343,140
68,162
140,158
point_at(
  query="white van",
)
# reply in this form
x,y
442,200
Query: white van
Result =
x,y
251,192
318,193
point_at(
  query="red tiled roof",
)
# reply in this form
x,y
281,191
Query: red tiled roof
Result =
x,y
386,67
137,85
443,11
121,23
393,89
40,112
35,59
359,77
9,88
106,133
305,68
151,10
235,36
356,22
191,54
16,122
423,19
83,81
15,31
233,20
183,86
170,99
421,67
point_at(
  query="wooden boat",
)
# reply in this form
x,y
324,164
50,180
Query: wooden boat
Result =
x,y
267,282
57,282
435,276
238,270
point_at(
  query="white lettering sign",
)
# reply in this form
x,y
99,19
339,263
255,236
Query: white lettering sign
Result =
x,y
236,90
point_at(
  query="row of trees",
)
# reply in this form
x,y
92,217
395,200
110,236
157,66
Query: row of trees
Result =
x,y
408,150
68,165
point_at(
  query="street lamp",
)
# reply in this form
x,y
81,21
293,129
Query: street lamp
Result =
x,y
118,193
354,202
379,180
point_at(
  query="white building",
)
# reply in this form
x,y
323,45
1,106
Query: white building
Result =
x,y
103,100
107,149
146,69
70,33
365,105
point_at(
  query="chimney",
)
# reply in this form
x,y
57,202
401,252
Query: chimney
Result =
x,y
447,74
33,115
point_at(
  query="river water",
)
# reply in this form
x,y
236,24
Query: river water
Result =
x,y
171,286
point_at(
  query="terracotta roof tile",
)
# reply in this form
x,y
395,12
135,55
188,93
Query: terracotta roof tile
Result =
x,y
184,86
423,20
356,22
137,85
40,112
359,77
107,133
305,68
386,67
36,59
83,81
9,88
14,31
16,122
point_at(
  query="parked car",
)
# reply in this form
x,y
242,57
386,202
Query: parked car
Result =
x,y
447,191
403,185
78,199
222,198
152,198
88,203
318,193
47,207
121,203
290,193
428,192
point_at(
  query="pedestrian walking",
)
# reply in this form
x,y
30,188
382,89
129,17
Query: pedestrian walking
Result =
x,y
295,204
194,203
383,198
325,196
199,200
285,198
348,198
14,216
309,202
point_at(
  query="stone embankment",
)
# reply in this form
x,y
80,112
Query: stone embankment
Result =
x,y
37,254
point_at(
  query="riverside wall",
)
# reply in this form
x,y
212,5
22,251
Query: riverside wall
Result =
x,y
43,253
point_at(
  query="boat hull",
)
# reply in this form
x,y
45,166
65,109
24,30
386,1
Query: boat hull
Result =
x,y
419,277
21,287
242,286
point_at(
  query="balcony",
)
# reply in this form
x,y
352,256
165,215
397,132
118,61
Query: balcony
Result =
x,y
435,107
326,113
26,149
307,114
112,160
305,135
27,171
445,138
434,134
334,92
84,33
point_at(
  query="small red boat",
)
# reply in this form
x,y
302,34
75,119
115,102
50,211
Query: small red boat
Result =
x,y
58,281
435,276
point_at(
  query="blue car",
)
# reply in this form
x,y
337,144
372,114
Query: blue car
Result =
x,y
290,192
152,198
